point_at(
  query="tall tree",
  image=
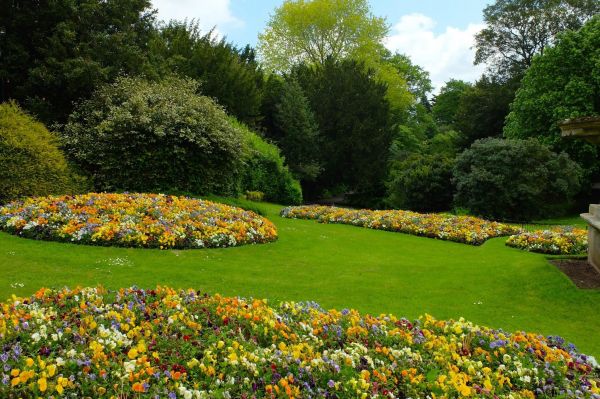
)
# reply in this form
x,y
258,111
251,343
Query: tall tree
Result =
x,y
56,52
447,102
314,31
230,75
562,83
354,119
298,132
482,109
517,30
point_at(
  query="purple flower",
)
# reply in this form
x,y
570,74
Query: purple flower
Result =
x,y
330,384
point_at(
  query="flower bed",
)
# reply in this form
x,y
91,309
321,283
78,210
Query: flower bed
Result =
x,y
464,229
181,344
135,220
557,241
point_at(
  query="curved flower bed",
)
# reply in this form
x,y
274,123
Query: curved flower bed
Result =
x,y
558,241
464,229
182,344
135,220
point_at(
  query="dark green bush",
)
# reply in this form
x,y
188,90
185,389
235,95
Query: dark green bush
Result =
x,y
147,136
422,183
265,170
31,163
517,180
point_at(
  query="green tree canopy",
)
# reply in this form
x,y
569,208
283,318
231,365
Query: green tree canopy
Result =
x,y
313,31
230,75
517,30
56,52
562,83
354,120
446,103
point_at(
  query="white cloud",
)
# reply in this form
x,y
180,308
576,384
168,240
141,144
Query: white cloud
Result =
x,y
208,13
446,56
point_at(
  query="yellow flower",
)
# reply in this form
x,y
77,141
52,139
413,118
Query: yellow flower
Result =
x,y
132,354
42,384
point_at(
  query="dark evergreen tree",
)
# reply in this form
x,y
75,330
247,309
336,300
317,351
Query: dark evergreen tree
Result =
x,y
354,119
56,52
230,75
299,133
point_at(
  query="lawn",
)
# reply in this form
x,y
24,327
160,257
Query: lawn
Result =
x,y
339,266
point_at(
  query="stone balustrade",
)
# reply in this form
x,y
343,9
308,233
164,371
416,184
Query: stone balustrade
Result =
x,y
593,220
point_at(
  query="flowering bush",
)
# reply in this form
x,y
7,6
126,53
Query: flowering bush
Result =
x,y
558,241
164,343
465,229
135,220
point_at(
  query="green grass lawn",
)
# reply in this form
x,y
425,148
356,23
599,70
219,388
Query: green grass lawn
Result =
x,y
339,266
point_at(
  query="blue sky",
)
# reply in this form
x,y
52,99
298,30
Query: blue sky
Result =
x,y
436,34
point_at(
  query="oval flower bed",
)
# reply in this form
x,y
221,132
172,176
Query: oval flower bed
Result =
x,y
464,229
164,343
135,220
557,241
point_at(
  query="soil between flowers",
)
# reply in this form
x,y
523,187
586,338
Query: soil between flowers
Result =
x,y
579,271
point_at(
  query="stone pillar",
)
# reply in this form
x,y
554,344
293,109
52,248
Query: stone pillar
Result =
x,y
593,220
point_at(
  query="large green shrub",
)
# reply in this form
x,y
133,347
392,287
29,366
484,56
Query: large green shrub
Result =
x,y
422,183
514,179
30,161
265,170
148,136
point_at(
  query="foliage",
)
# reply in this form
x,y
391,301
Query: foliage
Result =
x,y
417,79
354,119
562,83
447,102
158,336
30,160
464,229
57,52
315,31
231,76
135,220
257,196
482,109
517,30
150,136
557,241
517,180
297,132
422,183
264,169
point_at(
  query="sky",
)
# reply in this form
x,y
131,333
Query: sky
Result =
x,y
435,34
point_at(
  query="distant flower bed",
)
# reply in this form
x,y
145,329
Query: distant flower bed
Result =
x,y
465,229
164,343
557,241
135,220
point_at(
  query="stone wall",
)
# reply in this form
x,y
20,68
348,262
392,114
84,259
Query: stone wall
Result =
x,y
593,219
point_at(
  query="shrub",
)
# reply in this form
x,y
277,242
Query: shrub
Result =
x,y
255,196
265,170
422,183
146,136
30,160
515,180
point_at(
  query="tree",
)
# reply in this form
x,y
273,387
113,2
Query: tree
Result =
x,y
31,163
354,120
482,109
314,31
518,180
230,75
56,52
298,131
517,30
562,83
446,103
417,79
